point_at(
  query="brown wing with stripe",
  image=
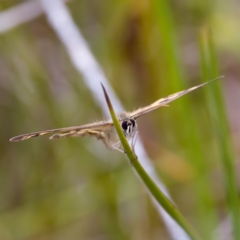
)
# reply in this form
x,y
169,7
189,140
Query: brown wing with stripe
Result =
x,y
88,129
164,101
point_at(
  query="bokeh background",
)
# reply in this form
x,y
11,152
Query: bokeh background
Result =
x,y
76,188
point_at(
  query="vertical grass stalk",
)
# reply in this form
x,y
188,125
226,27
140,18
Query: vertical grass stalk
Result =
x,y
221,129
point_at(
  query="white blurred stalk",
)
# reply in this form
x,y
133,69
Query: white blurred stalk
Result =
x,y
84,61
20,14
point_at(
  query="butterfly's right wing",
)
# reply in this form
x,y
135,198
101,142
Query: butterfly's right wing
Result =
x,y
164,101
88,129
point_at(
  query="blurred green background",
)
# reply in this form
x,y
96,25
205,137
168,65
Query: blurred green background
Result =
x,y
77,189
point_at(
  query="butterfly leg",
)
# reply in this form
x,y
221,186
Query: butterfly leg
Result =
x,y
115,144
134,140
116,148
120,150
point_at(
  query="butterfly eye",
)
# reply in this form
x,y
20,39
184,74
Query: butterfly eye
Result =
x,y
133,122
124,125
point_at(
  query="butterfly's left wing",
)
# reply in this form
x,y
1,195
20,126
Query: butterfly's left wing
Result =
x,y
92,129
164,101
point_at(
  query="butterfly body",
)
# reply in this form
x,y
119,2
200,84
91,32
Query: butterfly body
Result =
x,y
105,130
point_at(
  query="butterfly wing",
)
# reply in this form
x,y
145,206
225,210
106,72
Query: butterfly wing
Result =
x,y
164,101
84,130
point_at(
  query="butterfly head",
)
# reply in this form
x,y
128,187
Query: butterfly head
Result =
x,y
129,126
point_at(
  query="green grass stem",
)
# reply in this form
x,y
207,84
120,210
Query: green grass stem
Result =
x,y
221,129
151,186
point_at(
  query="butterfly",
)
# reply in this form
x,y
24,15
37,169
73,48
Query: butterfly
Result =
x,y
105,130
